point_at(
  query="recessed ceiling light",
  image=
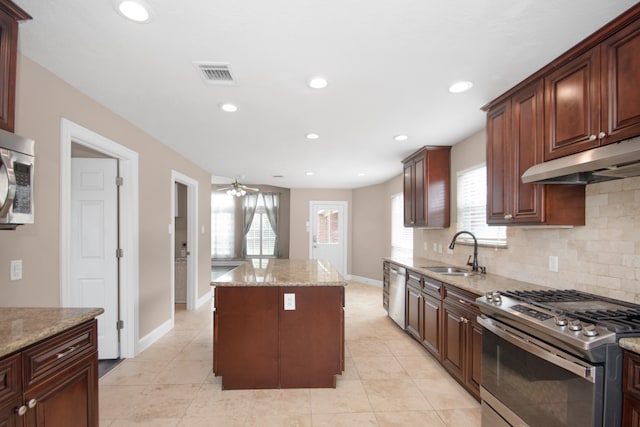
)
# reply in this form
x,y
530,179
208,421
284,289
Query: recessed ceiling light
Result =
x,y
361,174
308,173
312,136
318,83
401,137
134,10
229,108
460,87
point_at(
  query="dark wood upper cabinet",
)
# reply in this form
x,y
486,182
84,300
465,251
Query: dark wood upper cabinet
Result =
x,y
592,91
427,188
514,143
10,14
620,57
572,106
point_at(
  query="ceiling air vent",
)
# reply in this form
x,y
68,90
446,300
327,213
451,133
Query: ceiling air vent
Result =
x,y
215,73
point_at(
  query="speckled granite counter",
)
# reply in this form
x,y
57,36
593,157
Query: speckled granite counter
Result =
x,y
478,283
282,272
21,327
631,344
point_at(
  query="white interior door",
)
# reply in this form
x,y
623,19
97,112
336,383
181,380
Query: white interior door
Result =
x,y
328,233
94,239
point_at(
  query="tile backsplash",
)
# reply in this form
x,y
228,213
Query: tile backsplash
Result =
x,y
603,257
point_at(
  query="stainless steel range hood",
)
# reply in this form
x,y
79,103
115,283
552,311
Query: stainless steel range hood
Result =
x,y
614,161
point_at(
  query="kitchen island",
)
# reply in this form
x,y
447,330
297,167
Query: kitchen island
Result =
x,y
279,323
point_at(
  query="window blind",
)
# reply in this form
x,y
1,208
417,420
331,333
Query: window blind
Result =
x,y
472,208
401,236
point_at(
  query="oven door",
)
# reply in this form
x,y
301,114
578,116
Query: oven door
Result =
x,y
531,383
16,188
7,182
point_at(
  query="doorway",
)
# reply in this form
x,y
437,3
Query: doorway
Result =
x,y
328,233
184,250
126,231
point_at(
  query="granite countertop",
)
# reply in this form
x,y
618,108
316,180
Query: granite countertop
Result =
x,y
21,327
631,344
479,284
282,272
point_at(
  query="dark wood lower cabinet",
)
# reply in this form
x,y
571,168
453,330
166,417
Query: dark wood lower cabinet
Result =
x,y
431,324
631,389
462,339
53,383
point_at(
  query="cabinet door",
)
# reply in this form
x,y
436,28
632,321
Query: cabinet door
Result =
x,y
630,412
453,341
67,399
8,415
409,211
431,324
621,84
498,163
8,48
572,106
414,302
474,354
526,149
419,191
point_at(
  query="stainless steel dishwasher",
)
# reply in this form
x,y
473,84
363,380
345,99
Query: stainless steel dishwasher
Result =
x,y
397,291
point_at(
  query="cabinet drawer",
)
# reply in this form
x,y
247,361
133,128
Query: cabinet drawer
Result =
x,y
460,297
55,353
432,286
10,384
414,279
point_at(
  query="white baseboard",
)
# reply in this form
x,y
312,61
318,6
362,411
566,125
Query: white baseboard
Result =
x,y
153,336
204,299
366,281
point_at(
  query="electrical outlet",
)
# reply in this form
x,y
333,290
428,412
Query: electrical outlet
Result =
x,y
16,269
289,301
553,263
440,248
435,247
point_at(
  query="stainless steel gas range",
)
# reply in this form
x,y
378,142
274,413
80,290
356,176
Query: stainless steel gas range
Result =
x,y
551,358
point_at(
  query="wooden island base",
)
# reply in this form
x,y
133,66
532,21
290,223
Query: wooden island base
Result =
x,y
258,344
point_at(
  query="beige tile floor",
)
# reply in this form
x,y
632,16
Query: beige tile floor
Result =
x,y
389,380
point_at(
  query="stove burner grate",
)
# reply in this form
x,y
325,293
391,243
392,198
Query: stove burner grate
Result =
x,y
619,321
568,295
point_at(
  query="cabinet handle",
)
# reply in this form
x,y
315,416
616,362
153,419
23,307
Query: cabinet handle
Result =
x,y
32,403
21,410
592,138
601,135
461,301
66,353
508,216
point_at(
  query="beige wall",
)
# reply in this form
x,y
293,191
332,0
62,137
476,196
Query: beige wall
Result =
x,y
299,236
372,227
42,100
602,257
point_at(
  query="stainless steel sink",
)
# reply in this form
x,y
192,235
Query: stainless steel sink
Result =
x,y
450,271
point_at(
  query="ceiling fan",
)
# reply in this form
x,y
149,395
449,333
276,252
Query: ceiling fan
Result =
x,y
237,189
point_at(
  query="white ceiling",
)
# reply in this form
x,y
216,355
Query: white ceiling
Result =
x,y
389,64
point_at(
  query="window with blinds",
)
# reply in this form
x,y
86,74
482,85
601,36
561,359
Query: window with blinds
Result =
x,y
261,239
472,208
222,225
401,236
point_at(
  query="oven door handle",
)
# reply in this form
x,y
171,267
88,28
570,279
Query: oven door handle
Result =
x,y
540,349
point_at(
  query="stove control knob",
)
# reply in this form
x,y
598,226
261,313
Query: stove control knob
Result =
x,y
489,295
561,321
497,298
575,325
589,330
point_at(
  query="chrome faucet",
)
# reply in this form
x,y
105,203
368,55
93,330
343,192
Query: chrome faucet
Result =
x,y
474,263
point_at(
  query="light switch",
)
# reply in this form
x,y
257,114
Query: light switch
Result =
x,y
16,269
289,301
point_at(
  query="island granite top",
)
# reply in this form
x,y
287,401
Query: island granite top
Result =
x,y
20,327
281,272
